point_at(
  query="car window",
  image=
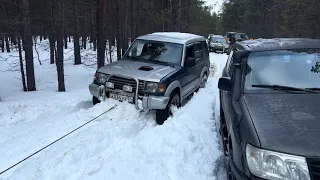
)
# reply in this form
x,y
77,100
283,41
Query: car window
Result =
x,y
195,51
205,50
148,50
229,62
285,68
218,40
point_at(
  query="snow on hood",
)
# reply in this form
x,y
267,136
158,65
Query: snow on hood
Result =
x,y
131,69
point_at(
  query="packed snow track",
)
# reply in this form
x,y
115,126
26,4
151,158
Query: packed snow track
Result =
x,y
122,144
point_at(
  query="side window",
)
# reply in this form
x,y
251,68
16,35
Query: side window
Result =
x,y
194,51
205,50
197,50
229,63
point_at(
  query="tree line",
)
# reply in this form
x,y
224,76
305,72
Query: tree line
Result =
x,y
272,18
99,22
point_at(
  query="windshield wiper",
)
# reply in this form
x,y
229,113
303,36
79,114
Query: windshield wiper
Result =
x,y
286,88
135,57
314,89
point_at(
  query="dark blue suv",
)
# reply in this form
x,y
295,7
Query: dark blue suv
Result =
x,y
157,72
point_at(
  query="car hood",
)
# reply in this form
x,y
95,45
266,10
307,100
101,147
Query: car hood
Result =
x,y
287,123
136,69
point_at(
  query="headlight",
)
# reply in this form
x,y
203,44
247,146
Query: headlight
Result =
x,y
272,165
101,78
152,87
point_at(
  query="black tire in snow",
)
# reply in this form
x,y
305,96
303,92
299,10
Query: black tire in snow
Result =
x,y
162,115
95,100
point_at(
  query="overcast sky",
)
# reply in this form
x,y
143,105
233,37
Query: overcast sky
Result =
x,y
217,4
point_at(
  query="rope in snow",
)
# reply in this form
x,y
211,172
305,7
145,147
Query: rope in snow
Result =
x,y
58,140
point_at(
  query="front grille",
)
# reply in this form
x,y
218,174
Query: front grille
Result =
x,y
314,168
120,81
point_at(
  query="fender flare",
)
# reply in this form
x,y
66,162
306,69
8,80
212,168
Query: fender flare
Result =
x,y
171,87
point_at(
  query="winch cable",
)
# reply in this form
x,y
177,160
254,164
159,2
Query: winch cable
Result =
x,y
58,140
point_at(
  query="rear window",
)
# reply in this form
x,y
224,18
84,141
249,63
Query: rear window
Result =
x,y
241,36
218,40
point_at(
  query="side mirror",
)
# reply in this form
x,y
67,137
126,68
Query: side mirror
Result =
x,y
225,84
190,62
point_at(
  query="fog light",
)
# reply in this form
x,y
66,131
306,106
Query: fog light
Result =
x,y
127,88
110,85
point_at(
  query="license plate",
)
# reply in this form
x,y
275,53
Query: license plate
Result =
x,y
121,97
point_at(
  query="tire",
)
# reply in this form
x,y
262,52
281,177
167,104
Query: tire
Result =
x,y
163,114
225,146
204,80
95,100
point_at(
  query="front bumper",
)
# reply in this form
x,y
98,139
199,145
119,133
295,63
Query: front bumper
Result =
x,y
240,175
141,102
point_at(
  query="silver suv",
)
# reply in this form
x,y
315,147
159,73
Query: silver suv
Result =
x,y
157,72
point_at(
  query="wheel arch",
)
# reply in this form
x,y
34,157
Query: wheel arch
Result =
x,y
174,86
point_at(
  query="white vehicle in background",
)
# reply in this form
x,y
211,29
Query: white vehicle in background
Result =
x,y
218,43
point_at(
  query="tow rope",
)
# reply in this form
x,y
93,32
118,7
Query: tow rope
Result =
x,y
57,140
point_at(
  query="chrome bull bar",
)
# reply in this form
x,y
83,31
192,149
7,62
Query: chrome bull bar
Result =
x,y
103,89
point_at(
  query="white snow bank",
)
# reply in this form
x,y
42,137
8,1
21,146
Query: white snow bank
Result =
x,y
127,144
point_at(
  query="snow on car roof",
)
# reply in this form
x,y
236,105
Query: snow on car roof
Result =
x,y
173,37
280,43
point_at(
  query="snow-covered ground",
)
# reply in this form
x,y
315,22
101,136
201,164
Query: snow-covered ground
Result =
x,y
122,144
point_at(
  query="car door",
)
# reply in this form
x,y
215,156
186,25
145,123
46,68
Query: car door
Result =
x,y
189,79
226,95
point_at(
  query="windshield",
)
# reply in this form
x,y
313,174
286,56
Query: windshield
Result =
x,y
147,50
218,40
241,36
284,68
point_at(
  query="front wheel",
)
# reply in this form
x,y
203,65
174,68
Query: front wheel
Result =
x,y
95,100
163,114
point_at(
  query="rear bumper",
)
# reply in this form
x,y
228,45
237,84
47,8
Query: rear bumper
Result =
x,y
141,102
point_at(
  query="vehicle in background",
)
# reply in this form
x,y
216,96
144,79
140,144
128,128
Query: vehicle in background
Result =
x,y
217,43
157,72
270,110
237,36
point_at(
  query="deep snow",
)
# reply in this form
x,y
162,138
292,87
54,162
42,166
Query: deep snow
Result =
x,y
123,144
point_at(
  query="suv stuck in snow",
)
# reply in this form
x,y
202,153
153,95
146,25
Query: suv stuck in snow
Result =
x,y
157,72
270,110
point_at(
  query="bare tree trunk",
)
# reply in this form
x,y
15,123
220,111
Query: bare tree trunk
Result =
x,y
59,60
118,38
31,84
6,38
52,49
84,42
101,42
77,57
2,43
110,52
21,65
66,42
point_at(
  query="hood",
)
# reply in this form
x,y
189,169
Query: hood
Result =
x,y
287,123
141,70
